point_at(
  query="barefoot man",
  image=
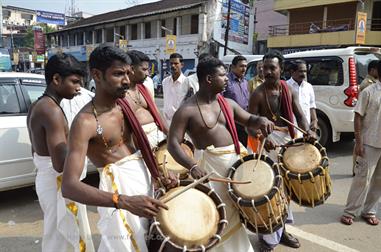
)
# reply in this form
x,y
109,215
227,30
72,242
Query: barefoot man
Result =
x,y
209,120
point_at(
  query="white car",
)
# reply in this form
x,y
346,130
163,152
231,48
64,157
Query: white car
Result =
x,y
17,92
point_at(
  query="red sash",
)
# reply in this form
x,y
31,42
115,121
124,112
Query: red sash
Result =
x,y
287,108
141,138
151,106
225,107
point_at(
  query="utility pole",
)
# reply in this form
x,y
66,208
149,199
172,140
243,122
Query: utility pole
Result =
x,y
227,27
1,23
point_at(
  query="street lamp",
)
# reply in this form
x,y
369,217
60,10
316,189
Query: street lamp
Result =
x,y
118,35
166,29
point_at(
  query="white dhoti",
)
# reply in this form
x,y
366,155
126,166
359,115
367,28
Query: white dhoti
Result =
x,y
154,135
66,225
278,138
120,229
220,160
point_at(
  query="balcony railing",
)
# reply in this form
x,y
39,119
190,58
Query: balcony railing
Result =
x,y
313,27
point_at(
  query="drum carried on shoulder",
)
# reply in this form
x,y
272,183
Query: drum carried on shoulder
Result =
x,y
161,153
262,203
304,164
194,221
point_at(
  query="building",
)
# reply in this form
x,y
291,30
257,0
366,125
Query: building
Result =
x,y
316,24
199,26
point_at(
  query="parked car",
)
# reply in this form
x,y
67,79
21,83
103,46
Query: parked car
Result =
x,y
91,86
335,75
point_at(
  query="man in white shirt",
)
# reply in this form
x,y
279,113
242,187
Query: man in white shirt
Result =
x,y
193,80
304,91
175,87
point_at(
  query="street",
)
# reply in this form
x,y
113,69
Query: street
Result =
x,y
318,229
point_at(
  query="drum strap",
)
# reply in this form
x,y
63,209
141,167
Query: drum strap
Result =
x,y
151,106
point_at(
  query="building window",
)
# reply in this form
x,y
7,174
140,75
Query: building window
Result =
x,y
162,31
134,31
98,36
194,24
122,32
174,30
80,38
110,35
89,37
72,39
147,30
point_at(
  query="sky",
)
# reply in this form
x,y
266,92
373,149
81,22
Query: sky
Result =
x,y
90,6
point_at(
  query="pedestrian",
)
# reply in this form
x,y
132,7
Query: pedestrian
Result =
x,y
175,87
273,99
365,190
237,90
306,95
193,80
111,136
371,77
208,118
48,127
141,102
258,79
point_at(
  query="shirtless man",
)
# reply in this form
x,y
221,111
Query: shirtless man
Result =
x,y
212,130
48,131
141,102
102,132
267,101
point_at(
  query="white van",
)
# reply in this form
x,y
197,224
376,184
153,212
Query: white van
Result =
x,y
335,75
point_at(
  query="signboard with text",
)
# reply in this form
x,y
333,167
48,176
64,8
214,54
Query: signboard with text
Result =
x,y
50,17
39,41
170,44
361,28
239,21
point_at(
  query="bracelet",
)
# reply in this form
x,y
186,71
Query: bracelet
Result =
x,y
194,166
115,200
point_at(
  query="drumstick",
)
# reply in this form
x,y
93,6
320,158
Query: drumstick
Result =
x,y
260,153
195,183
223,180
296,127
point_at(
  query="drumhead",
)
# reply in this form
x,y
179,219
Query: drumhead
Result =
x,y
302,158
171,164
262,179
192,218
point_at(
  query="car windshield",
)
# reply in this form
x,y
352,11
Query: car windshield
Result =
x,y
362,61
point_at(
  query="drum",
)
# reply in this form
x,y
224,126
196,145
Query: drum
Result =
x,y
194,222
262,203
304,164
171,165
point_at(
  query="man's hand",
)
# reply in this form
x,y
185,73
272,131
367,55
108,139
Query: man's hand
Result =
x,y
269,145
265,125
197,173
170,182
141,205
359,149
311,135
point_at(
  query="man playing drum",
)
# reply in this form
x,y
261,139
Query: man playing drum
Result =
x,y
141,102
273,99
111,136
208,119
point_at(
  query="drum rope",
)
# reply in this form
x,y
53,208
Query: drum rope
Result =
x,y
270,216
153,224
166,239
202,248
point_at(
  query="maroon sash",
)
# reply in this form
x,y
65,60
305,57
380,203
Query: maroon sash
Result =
x,y
287,108
141,138
225,107
151,106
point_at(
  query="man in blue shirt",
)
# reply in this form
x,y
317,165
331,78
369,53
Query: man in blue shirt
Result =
x,y
237,90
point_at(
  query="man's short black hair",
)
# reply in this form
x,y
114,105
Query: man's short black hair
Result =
x,y
295,64
275,54
237,59
379,69
137,57
64,65
372,65
176,56
104,56
208,66
203,56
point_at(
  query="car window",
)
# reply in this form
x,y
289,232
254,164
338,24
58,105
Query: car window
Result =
x,y
327,71
32,92
362,61
9,103
251,70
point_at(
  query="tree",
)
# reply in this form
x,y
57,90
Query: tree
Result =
x,y
28,40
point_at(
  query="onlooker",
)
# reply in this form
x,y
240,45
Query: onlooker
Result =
x,y
371,77
175,87
258,79
304,90
366,184
193,80
237,90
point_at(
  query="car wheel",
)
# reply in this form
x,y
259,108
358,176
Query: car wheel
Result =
x,y
323,132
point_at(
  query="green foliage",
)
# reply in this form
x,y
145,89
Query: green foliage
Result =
x,y
28,40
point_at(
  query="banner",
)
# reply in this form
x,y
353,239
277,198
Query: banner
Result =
x,y
239,21
361,28
170,44
50,17
39,41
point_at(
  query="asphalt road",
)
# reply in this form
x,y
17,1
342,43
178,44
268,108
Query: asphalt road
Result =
x,y
318,229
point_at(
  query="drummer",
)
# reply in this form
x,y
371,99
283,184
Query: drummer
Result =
x,y
208,119
273,99
140,100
